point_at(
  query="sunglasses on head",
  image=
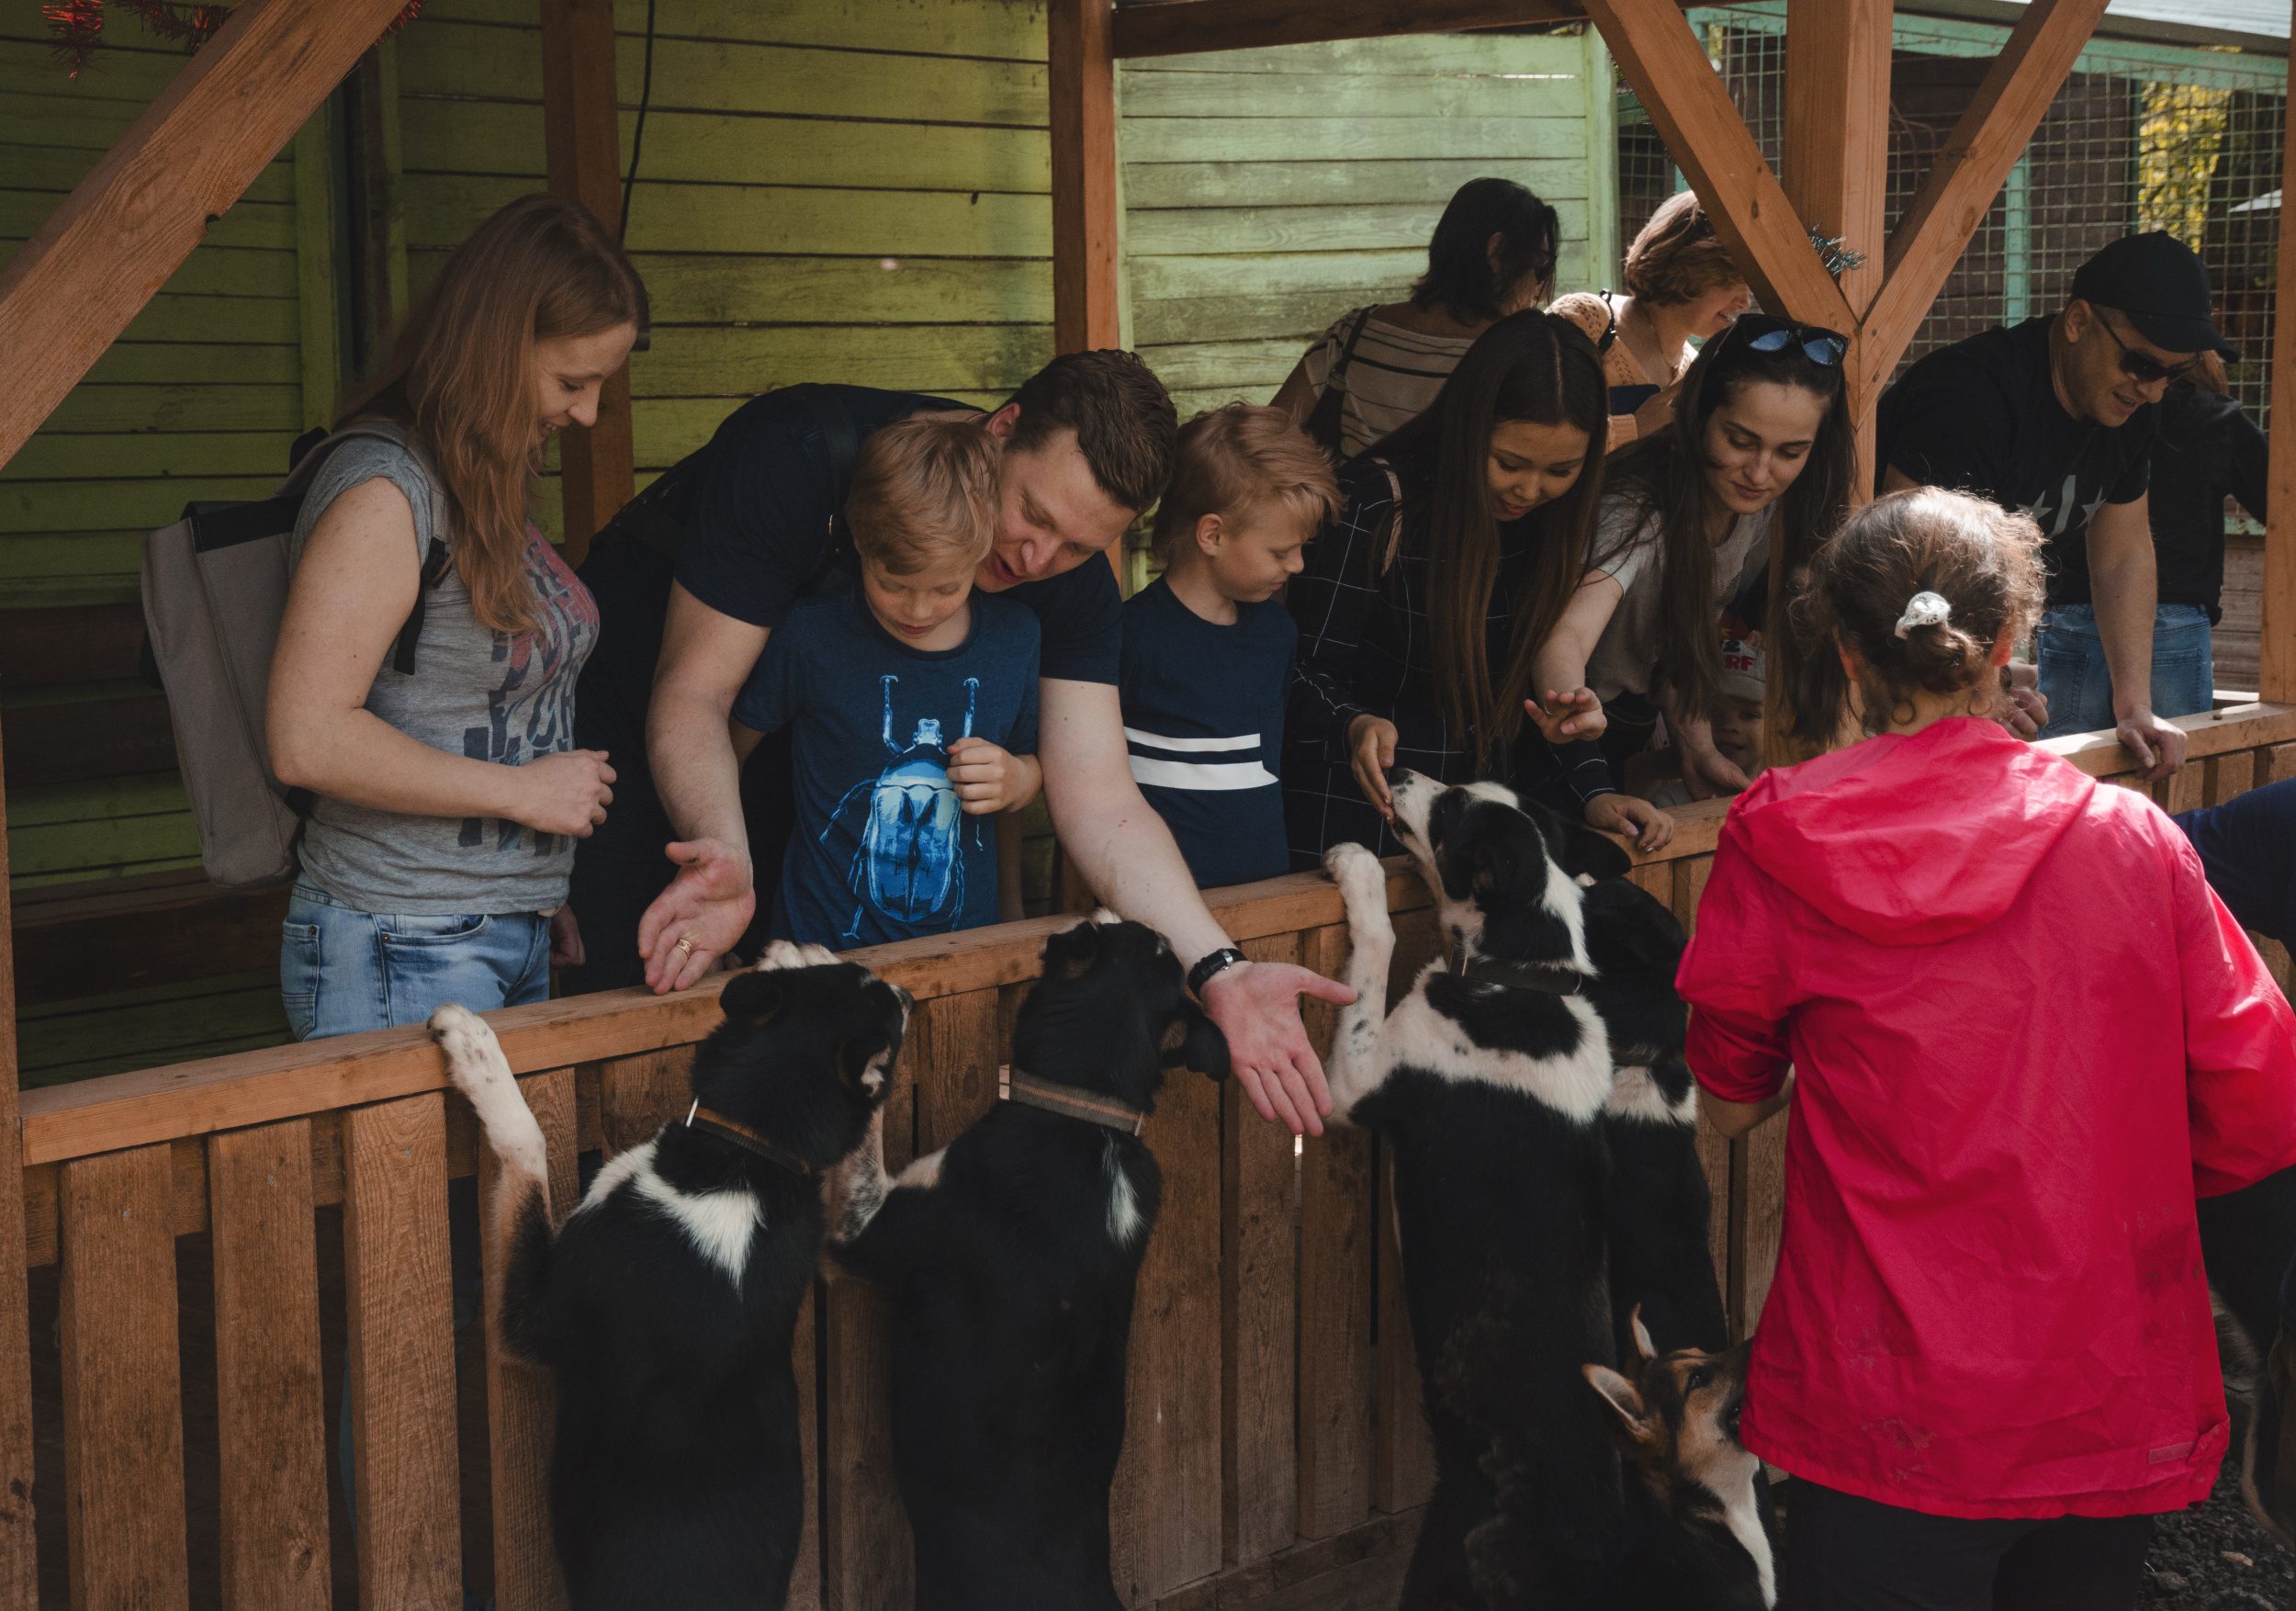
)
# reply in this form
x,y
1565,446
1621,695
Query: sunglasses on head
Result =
x,y
2144,371
1767,333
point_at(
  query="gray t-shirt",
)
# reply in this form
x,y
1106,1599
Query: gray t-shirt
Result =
x,y
475,692
1627,533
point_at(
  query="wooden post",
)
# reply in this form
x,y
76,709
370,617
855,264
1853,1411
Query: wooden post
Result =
x,y
2276,674
1083,74
581,134
71,288
18,1577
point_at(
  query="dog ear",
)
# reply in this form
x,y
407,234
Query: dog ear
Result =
x,y
1643,1345
1576,849
1072,953
1629,1422
865,1065
1205,1049
754,999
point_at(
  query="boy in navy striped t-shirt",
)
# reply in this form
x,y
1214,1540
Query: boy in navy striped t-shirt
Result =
x,y
1208,647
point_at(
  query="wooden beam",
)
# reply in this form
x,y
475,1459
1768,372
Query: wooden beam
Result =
x,y
100,256
1191,26
19,1574
1694,114
580,132
1969,172
1083,74
2276,674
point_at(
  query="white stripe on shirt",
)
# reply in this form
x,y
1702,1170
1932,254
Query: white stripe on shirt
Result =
x,y
1187,746
1200,775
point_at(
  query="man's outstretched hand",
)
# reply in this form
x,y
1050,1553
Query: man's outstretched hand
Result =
x,y
1257,1005
707,906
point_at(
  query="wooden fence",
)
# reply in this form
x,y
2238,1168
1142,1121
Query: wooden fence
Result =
x,y
222,1243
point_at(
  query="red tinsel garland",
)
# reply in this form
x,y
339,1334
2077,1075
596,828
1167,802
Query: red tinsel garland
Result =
x,y
77,26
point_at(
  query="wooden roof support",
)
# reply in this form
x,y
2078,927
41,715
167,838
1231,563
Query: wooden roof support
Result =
x,y
1969,172
2276,677
106,252
582,135
1191,26
18,1574
1083,82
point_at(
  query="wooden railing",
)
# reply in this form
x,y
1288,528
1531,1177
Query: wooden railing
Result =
x,y
224,1242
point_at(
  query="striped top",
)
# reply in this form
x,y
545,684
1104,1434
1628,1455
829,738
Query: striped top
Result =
x,y
1391,379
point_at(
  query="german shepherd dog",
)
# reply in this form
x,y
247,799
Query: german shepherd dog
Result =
x,y
1013,1253
665,1301
1490,1081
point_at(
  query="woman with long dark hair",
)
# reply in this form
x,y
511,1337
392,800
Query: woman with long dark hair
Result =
x,y
1755,468
1463,537
447,790
1377,368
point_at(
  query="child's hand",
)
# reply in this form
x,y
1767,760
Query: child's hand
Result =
x,y
1566,716
1627,813
989,780
1706,771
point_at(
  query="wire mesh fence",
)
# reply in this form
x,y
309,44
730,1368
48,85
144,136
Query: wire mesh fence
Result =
x,y
2141,137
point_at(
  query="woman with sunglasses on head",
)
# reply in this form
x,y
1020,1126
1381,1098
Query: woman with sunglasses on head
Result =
x,y
1758,463
1424,602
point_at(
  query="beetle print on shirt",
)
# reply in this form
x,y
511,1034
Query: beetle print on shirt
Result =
x,y
529,713
909,863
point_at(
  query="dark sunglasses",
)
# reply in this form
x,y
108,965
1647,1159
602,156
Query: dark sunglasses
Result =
x,y
2144,371
1767,333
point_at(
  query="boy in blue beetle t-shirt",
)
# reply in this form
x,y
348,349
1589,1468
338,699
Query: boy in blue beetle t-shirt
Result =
x,y
912,701
1208,646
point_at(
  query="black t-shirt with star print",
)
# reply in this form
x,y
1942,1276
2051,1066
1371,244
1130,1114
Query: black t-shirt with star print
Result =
x,y
1982,415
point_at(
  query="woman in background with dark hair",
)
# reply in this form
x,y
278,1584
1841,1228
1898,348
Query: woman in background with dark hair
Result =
x,y
1682,285
1757,463
1377,368
1424,602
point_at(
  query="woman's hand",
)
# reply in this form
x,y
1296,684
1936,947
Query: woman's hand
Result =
x,y
1657,411
1565,716
565,939
699,917
1371,750
1627,813
1706,771
567,792
989,780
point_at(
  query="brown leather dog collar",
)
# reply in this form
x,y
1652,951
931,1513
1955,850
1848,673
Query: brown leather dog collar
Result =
x,y
1548,978
1025,1088
749,1140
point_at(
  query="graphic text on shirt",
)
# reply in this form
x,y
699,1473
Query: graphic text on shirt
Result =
x,y
908,865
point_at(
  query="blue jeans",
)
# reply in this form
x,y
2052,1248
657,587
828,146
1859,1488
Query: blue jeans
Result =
x,y
2078,686
342,970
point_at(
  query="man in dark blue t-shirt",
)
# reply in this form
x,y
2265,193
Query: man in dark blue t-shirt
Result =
x,y
1087,444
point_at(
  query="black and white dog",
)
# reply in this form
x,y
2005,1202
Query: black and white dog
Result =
x,y
1014,1251
1660,1205
1490,1080
665,1303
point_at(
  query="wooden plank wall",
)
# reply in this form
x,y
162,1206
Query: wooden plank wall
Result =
x,y
1267,192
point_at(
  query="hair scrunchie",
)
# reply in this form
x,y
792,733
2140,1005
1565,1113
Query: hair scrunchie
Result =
x,y
1924,609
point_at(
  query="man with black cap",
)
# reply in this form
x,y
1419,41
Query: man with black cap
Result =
x,y
2054,418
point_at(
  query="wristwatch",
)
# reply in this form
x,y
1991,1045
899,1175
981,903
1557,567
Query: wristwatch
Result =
x,y
1210,965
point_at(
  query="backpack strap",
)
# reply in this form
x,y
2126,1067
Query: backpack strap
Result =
x,y
1610,330
436,560
844,444
1394,519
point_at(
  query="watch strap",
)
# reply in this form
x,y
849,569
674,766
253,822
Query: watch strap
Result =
x,y
1209,965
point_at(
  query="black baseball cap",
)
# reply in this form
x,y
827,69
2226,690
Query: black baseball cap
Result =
x,y
2161,285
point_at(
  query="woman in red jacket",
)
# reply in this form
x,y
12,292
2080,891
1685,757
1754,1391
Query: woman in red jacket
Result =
x,y
2026,1036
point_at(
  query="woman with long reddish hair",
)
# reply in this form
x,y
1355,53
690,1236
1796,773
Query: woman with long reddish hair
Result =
x,y
447,790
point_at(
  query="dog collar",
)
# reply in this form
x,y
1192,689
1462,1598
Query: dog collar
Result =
x,y
1025,1087
1548,978
749,1140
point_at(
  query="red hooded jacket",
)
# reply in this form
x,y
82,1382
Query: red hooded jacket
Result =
x,y
2026,1034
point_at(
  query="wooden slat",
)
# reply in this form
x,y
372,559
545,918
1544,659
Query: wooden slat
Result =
x,y
1765,1195
868,1555
1335,1296
2185,789
1716,1159
2239,727
1082,79
521,1393
1258,1268
1690,887
134,940
123,1428
18,1553
1165,1505
2276,669
2230,776
75,285
951,1057
1693,112
270,1399
1194,26
637,1095
581,134
1403,1465
78,642
2276,764
1966,174
804,1579
101,738
401,1359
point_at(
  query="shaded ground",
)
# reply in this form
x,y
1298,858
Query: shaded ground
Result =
x,y
2215,1558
